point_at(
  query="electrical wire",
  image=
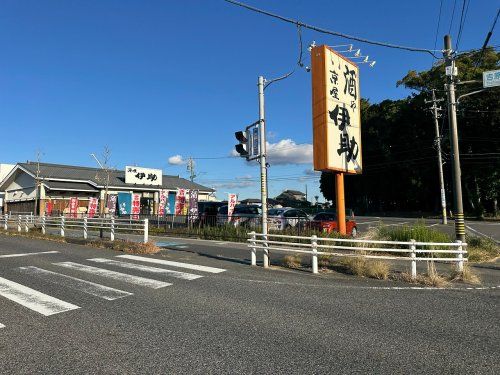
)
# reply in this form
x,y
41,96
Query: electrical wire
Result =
x,y
488,36
437,28
463,17
452,16
330,32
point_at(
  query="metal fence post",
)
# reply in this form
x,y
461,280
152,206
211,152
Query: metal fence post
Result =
x,y
460,264
18,223
413,255
85,230
43,224
146,230
265,257
26,219
62,226
112,229
254,250
6,222
314,246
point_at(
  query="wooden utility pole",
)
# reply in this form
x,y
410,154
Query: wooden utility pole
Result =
x,y
340,201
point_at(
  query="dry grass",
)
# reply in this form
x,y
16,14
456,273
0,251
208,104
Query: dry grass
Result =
x,y
126,246
431,278
466,275
324,261
359,266
292,261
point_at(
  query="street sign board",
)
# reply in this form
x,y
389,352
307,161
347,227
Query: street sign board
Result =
x,y
491,78
336,112
143,176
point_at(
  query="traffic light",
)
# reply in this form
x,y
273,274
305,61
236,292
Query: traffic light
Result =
x,y
243,147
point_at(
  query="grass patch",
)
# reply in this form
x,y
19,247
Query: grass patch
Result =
x,y
431,278
375,269
466,275
292,261
418,232
481,249
126,246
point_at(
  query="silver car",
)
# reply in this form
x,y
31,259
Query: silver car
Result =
x,y
282,218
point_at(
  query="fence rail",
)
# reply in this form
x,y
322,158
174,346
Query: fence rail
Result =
x,y
406,250
113,225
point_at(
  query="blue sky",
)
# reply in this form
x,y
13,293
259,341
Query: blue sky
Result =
x,y
156,79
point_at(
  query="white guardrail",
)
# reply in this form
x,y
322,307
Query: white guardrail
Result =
x,y
357,248
111,224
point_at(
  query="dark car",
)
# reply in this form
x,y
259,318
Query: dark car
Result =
x,y
207,212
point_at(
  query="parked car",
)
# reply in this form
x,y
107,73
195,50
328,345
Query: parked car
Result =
x,y
208,212
286,217
327,222
244,215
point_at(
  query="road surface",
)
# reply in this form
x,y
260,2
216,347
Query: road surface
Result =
x,y
72,309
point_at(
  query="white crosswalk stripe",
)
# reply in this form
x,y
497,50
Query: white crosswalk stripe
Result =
x,y
173,264
140,267
32,299
74,283
27,254
2,326
137,280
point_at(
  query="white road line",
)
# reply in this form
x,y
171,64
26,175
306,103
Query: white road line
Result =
x,y
26,254
221,243
433,225
367,222
137,280
84,286
32,299
2,326
390,225
173,264
140,267
480,233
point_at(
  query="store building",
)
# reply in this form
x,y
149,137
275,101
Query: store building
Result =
x,y
44,188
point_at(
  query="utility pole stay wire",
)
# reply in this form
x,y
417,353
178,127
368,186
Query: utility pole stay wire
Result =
x,y
330,32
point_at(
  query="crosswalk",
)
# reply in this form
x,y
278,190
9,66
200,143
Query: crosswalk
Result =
x,y
47,305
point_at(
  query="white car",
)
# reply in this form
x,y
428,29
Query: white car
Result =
x,y
282,218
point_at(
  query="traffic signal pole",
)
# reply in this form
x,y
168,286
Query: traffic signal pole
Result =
x,y
452,116
263,167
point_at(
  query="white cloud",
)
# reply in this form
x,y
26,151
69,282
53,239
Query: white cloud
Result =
x,y
233,185
311,172
287,151
176,160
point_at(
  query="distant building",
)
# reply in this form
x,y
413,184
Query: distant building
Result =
x,y
292,198
55,184
4,171
270,201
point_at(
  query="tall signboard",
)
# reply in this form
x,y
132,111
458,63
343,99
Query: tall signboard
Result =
x,y
73,207
231,204
136,206
92,208
143,176
336,112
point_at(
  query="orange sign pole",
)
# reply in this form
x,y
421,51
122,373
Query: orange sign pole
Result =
x,y
340,199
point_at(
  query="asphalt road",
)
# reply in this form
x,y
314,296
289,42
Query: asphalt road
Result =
x,y
240,320
474,227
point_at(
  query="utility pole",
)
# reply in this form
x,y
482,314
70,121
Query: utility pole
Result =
x,y
37,183
263,166
452,116
435,110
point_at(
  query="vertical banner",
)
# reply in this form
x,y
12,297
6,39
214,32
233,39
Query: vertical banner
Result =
x,y
112,204
124,203
92,207
193,204
180,201
73,207
136,206
48,208
231,203
170,204
163,202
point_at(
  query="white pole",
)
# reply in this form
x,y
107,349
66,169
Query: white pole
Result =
x,y
62,226
6,222
263,168
146,230
18,223
26,220
254,250
85,232
43,224
460,264
314,243
413,247
112,234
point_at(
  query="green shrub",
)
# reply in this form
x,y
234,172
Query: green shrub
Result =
x,y
418,232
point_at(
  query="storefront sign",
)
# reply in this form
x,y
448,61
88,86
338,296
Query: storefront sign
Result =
x,y
73,207
92,209
162,203
336,112
143,176
231,203
136,206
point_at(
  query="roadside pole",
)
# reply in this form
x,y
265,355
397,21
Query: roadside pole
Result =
x,y
452,116
340,201
440,159
263,168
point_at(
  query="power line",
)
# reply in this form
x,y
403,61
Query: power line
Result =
x,y
329,32
452,16
463,17
488,36
437,28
